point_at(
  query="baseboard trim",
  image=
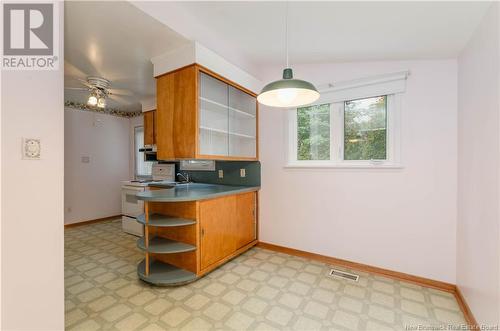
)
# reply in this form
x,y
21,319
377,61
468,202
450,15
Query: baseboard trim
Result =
x,y
98,220
422,281
469,317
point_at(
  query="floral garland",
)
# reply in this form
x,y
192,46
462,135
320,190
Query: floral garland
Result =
x,y
109,111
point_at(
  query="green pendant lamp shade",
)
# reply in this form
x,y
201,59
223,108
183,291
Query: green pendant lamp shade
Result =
x,y
288,92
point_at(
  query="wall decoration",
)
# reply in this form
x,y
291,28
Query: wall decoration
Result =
x,y
109,111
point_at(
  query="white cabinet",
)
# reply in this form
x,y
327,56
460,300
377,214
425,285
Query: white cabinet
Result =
x,y
227,119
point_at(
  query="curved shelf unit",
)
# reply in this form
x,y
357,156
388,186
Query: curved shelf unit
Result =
x,y
159,245
159,220
164,274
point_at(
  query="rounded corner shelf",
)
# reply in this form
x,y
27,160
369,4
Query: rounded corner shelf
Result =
x,y
159,220
164,274
159,245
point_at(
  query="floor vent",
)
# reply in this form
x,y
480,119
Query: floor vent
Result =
x,y
344,275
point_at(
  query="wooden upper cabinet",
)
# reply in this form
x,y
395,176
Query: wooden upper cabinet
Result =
x,y
202,115
150,128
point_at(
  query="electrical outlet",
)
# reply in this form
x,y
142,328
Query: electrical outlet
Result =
x,y
85,159
32,149
243,173
221,173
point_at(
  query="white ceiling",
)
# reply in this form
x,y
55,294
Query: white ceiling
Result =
x,y
117,39
114,40
324,31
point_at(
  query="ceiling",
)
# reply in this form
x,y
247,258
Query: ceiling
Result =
x,y
324,31
114,40
117,39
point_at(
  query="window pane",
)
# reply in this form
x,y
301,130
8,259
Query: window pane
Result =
x,y
365,128
313,132
142,168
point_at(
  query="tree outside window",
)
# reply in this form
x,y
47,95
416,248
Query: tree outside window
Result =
x,y
313,132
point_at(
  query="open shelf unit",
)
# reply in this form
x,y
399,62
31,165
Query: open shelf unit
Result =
x,y
160,220
154,269
161,245
164,274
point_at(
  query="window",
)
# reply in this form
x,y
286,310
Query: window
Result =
x,y
313,133
365,129
142,168
351,133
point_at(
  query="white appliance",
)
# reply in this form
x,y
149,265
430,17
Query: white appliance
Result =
x,y
131,206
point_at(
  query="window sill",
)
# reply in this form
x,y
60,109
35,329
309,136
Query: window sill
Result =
x,y
325,165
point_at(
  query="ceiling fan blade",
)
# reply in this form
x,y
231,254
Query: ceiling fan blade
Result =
x,y
124,92
84,82
119,99
76,88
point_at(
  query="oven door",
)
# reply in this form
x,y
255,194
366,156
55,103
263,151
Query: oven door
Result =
x,y
131,206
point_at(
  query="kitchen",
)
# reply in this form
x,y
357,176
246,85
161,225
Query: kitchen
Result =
x,y
191,202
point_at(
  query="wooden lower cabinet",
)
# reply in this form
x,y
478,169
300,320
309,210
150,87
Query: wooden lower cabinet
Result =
x,y
226,224
224,227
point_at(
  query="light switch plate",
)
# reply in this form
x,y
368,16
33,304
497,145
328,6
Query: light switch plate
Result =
x,y
32,149
221,173
243,172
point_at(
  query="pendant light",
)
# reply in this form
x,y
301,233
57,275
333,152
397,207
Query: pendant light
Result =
x,y
288,92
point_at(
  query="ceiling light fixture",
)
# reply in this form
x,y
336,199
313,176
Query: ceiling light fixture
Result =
x,y
92,101
101,103
288,92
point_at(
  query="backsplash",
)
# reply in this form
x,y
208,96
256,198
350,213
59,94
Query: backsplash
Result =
x,y
231,171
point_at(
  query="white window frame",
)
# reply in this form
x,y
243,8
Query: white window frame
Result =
x,y
393,144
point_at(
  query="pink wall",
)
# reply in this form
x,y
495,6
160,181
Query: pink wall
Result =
x,y
93,190
399,219
32,237
478,171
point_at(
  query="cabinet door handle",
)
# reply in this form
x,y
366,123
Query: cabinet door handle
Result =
x,y
202,232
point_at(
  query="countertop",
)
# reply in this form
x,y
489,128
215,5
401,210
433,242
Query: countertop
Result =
x,y
191,192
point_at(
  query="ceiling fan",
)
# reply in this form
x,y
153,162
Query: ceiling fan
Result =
x,y
99,90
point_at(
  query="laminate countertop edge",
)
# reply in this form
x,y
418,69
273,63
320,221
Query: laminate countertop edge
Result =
x,y
197,192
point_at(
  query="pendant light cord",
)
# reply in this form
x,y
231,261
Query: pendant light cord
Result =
x,y
286,33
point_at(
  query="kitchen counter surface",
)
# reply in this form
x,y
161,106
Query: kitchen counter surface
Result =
x,y
190,192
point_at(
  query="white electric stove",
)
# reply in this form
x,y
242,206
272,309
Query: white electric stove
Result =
x,y
131,206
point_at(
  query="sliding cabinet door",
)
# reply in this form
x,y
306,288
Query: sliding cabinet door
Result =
x,y
213,116
242,124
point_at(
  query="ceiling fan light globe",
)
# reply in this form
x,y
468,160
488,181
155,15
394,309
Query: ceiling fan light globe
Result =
x,y
92,101
101,103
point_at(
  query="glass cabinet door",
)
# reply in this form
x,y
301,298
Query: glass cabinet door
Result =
x,y
213,115
242,123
